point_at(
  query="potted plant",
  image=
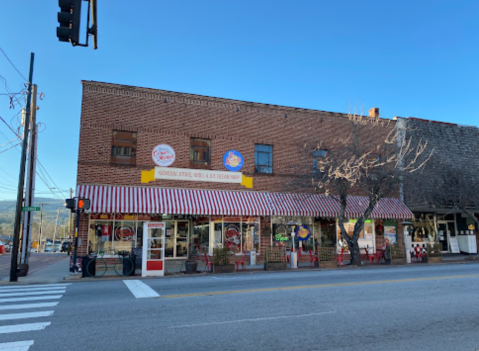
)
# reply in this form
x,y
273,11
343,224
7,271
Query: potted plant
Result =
x,y
191,266
275,259
221,261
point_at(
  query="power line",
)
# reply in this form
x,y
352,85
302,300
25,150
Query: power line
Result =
x,y
16,69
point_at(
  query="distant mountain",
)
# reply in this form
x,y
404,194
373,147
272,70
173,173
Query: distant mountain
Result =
x,y
50,210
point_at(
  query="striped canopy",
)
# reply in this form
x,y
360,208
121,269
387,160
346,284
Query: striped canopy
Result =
x,y
111,199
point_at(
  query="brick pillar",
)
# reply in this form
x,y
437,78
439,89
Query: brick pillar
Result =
x,y
83,234
400,233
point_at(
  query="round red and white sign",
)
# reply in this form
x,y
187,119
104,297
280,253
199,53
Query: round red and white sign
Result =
x,y
163,155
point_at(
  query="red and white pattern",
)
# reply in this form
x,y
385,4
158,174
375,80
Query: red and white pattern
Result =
x,y
111,199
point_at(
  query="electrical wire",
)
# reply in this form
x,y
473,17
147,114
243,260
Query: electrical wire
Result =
x,y
16,69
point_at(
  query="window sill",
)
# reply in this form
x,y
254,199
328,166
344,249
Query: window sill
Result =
x,y
129,165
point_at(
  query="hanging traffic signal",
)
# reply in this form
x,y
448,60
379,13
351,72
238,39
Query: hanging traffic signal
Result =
x,y
69,19
83,204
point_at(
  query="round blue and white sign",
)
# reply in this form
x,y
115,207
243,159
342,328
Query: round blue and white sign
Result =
x,y
233,160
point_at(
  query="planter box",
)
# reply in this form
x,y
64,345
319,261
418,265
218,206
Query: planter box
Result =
x,y
229,268
275,266
397,261
437,259
190,267
328,264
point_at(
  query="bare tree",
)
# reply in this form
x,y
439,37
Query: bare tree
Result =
x,y
369,157
451,186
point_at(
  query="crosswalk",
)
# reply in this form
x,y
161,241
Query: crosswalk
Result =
x,y
23,309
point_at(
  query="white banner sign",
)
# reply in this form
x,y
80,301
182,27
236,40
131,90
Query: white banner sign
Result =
x,y
196,175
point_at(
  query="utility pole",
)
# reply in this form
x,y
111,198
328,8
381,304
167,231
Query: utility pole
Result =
x,y
21,179
55,231
41,228
30,191
70,230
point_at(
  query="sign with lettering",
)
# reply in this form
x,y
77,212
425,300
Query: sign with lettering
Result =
x,y
233,160
196,175
302,232
163,155
454,245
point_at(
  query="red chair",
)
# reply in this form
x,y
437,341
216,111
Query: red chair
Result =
x,y
340,258
208,263
419,254
371,256
313,258
240,260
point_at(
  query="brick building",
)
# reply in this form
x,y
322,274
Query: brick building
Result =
x,y
429,193
127,132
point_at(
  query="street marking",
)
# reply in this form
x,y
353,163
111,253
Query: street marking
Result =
x,y
32,293
34,286
140,290
317,286
28,305
31,289
25,315
16,346
23,327
253,319
31,298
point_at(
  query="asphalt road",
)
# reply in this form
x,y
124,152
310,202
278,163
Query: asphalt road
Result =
x,y
396,308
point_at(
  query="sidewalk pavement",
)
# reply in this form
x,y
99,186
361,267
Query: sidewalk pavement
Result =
x,y
54,273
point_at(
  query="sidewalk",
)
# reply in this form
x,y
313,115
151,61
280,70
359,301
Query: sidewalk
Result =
x,y
54,273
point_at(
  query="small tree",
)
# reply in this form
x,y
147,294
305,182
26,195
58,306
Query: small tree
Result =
x,y
370,158
449,185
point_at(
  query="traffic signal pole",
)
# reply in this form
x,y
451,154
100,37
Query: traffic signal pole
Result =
x,y
21,178
74,267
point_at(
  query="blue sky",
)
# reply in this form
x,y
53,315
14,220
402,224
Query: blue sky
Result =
x,y
409,58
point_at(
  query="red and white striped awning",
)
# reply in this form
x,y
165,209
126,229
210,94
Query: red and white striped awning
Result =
x,y
111,199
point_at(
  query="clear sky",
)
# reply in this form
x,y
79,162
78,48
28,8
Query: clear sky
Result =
x,y
409,58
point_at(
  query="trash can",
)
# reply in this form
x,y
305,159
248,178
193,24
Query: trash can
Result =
x,y
88,270
129,264
294,260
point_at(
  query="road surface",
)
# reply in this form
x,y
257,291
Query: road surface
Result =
x,y
395,308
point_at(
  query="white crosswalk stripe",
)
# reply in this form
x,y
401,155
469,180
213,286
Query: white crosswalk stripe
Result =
x,y
140,290
22,293
16,346
32,311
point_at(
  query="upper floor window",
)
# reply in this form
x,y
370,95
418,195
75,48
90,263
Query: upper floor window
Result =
x,y
318,160
263,158
123,148
200,153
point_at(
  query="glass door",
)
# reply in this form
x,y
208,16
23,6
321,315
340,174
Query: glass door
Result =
x,y
170,238
153,254
182,229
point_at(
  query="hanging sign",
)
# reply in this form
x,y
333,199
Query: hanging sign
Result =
x,y
303,233
196,175
233,160
163,155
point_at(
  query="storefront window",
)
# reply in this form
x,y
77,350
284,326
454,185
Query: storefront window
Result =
x,y
100,236
248,241
218,232
366,236
232,236
124,235
328,233
200,238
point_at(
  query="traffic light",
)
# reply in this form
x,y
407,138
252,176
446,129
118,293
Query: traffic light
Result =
x,y
70,204
83,204
69,19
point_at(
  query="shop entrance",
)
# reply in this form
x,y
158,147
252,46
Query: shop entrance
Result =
x,y
176,239
446,230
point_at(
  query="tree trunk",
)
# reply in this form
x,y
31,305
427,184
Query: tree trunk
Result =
x,y
354,252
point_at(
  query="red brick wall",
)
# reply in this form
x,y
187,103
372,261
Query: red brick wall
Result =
x,y
162,117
